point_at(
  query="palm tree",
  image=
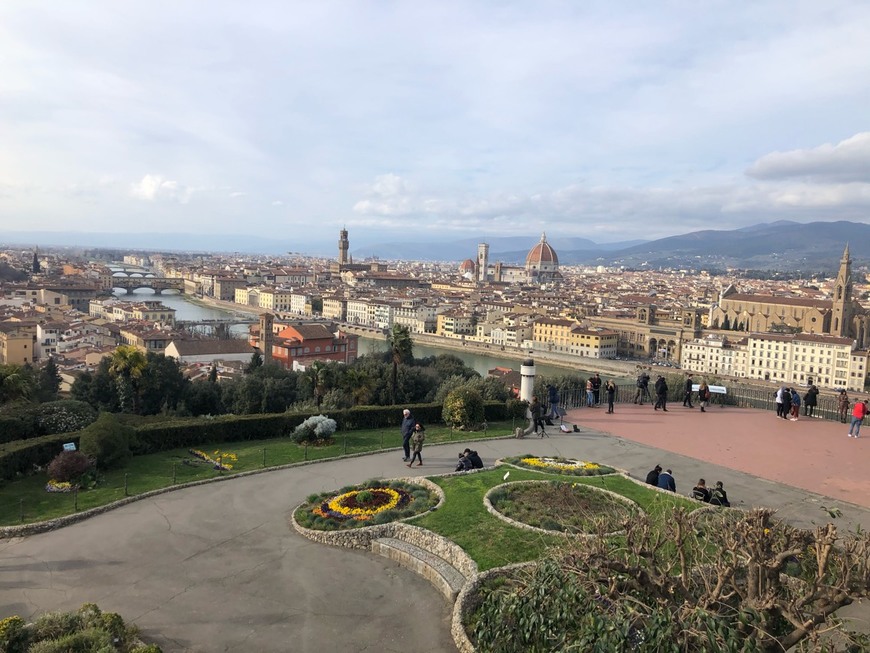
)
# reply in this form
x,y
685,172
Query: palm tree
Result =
x,y
359,384
401,349
126,365
317,375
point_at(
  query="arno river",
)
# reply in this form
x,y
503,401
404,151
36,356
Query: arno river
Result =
x,y
189,310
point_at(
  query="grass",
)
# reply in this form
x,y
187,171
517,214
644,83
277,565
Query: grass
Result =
x,y
492,542
25,500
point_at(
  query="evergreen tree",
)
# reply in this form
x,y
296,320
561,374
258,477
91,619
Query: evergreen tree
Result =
x,y
48,382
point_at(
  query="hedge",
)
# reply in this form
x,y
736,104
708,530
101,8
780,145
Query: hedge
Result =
x,y
24,456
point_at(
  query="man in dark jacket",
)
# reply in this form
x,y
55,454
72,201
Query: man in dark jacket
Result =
x,y
596,389
661,394
476,462
653,477
408,422
687,397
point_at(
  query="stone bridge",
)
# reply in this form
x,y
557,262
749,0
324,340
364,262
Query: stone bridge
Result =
x,y
158,284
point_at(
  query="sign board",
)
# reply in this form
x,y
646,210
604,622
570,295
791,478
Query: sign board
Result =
x,y
69,446
714,389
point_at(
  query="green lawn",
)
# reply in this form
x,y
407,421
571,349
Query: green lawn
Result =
x,y
25,500
492,542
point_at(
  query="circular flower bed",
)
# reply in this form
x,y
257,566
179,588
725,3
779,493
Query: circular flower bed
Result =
x,y
572,508
374,502
568,466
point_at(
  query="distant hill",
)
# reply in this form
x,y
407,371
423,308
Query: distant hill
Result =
x,y
780,245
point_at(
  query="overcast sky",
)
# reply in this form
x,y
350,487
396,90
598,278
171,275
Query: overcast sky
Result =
x,y
610,120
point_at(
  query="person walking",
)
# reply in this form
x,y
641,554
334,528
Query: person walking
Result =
x,y
417,440
843,405
408,422
537,412
704,396
687,395
661,388
859,412
553,400
610,389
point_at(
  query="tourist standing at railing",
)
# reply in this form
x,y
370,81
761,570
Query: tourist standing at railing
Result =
x,y
795,405
596,388
810,400
590,394
843,406
779,394
553,400
661,388
786,403
858,415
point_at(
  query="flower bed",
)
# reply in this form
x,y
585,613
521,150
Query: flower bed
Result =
x,y
373,502
222,461
571,508
568,466
59,486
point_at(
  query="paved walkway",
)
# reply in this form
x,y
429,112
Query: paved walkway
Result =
x,y
217,568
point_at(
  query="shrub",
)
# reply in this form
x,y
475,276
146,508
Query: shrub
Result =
x,y
68,466
463,408
316,427
12,635
517,408
64,416
107,441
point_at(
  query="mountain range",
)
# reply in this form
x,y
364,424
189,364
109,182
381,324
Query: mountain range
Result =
x,y
782,245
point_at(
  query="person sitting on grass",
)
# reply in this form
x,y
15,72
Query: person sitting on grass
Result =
x,y
718,497
700,491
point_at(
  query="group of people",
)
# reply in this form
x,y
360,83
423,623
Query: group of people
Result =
x,y
788,402
413,436
665,481
593,392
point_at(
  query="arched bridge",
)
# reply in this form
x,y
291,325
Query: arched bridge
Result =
x,y
158,284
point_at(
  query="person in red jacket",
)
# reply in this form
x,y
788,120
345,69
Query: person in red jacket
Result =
x,y
858,413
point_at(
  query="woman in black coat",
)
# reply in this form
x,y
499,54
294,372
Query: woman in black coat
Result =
x,y
810,400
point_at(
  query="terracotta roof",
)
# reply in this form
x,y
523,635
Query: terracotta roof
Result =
x,y
785,301
542,253
209,347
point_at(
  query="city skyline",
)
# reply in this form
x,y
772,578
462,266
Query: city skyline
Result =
x,y
448,120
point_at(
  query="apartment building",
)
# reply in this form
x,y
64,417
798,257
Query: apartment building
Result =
x,y
593,342
335,307
716,355
454,324
274,299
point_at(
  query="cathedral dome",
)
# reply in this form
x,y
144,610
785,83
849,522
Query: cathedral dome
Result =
x,y
467,266
542,254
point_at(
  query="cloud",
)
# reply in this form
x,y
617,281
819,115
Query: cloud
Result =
x,y
238,193
847,161
277,203
156,187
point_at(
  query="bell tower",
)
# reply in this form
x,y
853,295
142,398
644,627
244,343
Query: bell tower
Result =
x,y
343,247
482,261
841,308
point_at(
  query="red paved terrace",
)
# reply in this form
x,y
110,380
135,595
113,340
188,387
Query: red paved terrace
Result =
x,y
811,454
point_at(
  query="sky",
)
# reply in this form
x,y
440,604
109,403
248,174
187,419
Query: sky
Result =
x,y
432,121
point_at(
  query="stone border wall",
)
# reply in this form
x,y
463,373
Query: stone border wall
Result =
x,y
528,527
361,538
463,601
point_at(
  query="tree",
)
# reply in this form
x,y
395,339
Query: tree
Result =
x,y
161,384
256,362
126,365
107,441
401,351
48,381
15,383
317,377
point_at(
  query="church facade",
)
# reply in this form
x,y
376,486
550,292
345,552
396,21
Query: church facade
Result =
x,y
839,316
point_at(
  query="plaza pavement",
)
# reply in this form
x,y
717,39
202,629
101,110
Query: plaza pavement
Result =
x,y
217,568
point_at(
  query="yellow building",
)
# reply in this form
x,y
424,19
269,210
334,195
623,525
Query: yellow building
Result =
x,y
593,342
17,343
454,324
553,334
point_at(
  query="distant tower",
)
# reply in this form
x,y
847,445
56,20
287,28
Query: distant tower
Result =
x,y
482,261
841,317
343,246
35,266
266,336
